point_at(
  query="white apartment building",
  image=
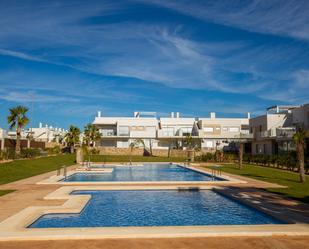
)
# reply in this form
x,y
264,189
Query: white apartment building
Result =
x,y
47,133
42,133
220,132
121,131
273,131
166,132
3,135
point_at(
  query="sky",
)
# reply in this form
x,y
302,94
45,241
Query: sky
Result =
x,y
65,60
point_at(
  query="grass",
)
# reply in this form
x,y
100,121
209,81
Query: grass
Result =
x,y
20,169
121,158
295,189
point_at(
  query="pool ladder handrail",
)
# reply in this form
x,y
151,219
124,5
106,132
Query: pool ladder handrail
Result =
x,y
64,167
214,170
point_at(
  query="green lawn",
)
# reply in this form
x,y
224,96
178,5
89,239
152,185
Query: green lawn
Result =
x,y
109,158
20,169
296,190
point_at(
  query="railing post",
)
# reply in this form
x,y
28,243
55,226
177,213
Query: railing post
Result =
x,y
65,171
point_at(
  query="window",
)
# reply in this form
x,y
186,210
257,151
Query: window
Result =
x,y
186,131
123,131
208,129
209,144
168,131
234,129
224,129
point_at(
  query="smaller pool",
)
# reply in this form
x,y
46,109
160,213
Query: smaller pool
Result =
x,y
146,173
156,208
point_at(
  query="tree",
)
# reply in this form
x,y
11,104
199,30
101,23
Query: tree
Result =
x,y
241,154
18,119
135,144
299,140
91,134
72,137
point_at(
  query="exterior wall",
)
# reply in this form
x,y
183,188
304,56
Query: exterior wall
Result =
x,y
215,132
140,152
46,134
301,116
170,127
265,147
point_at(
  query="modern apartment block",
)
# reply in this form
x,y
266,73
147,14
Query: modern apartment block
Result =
x,y
273,132
220,132
42,133
166,132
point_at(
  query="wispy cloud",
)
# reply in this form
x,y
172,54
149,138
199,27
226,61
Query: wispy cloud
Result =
x,y
111,54
288,18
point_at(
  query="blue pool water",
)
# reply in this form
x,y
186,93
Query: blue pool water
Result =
x,y
155,208
148,172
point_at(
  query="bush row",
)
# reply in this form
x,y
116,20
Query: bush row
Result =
x,y
285,161
217,157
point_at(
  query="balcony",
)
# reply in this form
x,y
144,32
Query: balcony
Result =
x,y
108,133
279,133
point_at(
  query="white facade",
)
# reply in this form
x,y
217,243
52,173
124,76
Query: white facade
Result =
x,y
218,132
44,134
170,131
273,131
121,131
47,133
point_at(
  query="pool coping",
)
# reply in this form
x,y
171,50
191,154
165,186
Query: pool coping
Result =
x,y
57,180
14,227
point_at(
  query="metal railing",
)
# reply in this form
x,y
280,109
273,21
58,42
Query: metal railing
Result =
x,y
64,167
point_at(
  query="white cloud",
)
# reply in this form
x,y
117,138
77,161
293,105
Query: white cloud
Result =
x,y
287,18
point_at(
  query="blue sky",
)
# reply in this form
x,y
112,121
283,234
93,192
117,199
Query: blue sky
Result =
x,y
67,59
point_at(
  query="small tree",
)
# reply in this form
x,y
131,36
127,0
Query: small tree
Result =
x,y
18,119
241,154
91,134
135,144
299,139
72,137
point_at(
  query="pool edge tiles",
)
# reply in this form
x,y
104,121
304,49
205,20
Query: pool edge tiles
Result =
x,y
14,227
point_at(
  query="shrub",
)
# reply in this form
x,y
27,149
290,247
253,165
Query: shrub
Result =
x,y
30,152
55,150
230,157
94,151
208,157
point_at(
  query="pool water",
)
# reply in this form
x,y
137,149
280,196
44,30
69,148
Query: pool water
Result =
x,y
156,208
148,172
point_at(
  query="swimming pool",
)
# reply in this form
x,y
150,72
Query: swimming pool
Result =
x,y
123,208
148,172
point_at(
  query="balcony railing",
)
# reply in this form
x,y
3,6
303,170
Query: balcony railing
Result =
x,y
283,132
108,133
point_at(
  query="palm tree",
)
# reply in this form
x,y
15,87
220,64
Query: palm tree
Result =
x,y
72,137
91,134
135,144
18,119
299,140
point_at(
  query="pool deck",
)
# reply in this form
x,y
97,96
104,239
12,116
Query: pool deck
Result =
x,y
29,194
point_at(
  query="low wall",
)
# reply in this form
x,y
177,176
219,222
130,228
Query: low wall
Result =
x,y
11,143
141,152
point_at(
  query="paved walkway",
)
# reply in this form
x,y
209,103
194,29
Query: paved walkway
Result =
x,y
183,243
